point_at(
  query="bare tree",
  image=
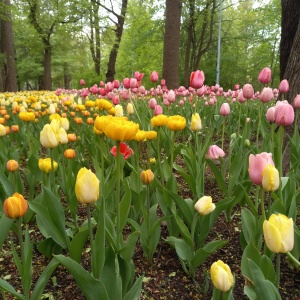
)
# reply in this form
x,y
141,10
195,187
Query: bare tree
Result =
x,y
289,46
8,81
172,43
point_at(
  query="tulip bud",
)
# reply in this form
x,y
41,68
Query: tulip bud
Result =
x,y
69,153
48,137
86,186
45,165
247,143
265,75
147,176
225,109
279,233
152,160
270,178
12,165
197,79
284,86
248,91
196,123
130,108
221,276
204,205
214,152
15,206
119,111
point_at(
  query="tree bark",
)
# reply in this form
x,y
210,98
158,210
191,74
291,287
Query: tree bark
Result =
x,y
172,43
289,46
111,66
8,68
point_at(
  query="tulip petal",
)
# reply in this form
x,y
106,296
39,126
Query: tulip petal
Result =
x,y
272,236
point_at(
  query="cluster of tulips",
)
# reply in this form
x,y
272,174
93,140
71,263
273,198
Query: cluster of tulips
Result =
x,y
114,149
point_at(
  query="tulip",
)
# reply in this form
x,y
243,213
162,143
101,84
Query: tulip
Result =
x,y
214,152
130,108
197,79
225,109
176,123
119,129
86,186
171,96
2,130
279,233
221,276
48,137
71,137
125,150
12,165
284,86
284,113
248,91
154,76
196,123
82,82
158,110
270,115
257,164
147,176
264,76
152,103
159,121
14,128
45,165
204,205
266,95
297,102
241,97
116,84
69,153
138,76
15,206
27,116
270,178
62,136
119,111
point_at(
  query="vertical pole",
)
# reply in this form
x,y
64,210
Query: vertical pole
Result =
x,y
219,44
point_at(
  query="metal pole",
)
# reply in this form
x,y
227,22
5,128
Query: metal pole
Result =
x,y
219,44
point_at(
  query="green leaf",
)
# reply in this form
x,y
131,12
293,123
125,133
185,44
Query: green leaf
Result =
x,y
90,287
183,250
48,247
10,289
248,224
43,279
5,225
125,206
8,187
128,250
135,291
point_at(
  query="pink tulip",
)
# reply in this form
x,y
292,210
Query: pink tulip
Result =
x,y
225,109
133,83
82,82
102,91
138,76
125,95
109,86
163,82
270,115
126,83
94,89
257,163
241,98
248,91
154,76
266,95
236,87
265,75
181,102
116,84
214,152
84,92
142,90
171,96
297,102
284,113
201,91
102,83
115,100
152,103
284,86
197,79
158,110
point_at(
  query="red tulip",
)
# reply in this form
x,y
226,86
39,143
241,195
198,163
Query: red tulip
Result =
x,y
125,150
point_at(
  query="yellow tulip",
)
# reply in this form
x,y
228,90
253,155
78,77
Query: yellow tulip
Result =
x,y
130,108
151,135
2,130
119,129
159,121
48,137
279,233
196,123
221,276
27,116
86,186
103,104
270,178
15,206
62,135
119,111
147,176
45,165
140,136
204,205
176,123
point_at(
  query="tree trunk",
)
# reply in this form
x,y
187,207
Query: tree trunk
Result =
x,y
111,66
47,81
290,17
289,46
8,68
172,43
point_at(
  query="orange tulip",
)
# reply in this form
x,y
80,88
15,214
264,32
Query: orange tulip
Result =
x,y
72,137
69,153
14,128
12,165
15,206
147,176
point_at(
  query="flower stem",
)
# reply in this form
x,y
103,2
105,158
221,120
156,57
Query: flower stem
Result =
x,y
90,232
118,178
223,130
278,270
52,168
20,238
262,203
293,259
